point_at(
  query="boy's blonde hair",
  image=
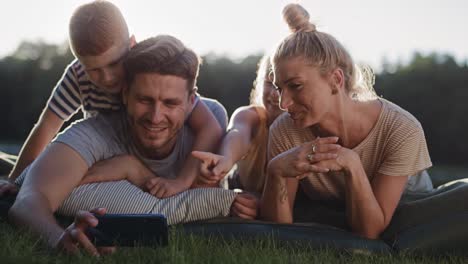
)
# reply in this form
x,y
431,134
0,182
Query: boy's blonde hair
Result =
x,y
96,26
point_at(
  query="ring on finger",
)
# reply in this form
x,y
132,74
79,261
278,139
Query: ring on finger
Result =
x,y
314,149
310,157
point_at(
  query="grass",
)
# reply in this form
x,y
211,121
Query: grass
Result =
x,y
20,247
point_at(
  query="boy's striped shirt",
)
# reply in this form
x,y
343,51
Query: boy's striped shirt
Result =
x,y
74,91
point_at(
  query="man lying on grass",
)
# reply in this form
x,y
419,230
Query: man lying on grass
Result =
x,y
149,134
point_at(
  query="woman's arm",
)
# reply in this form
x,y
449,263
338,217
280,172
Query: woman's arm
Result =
x,y
278,195
369,205
283,172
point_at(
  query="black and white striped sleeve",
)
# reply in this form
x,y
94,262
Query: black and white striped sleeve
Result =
x,y
65,99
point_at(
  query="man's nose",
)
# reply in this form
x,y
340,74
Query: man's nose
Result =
x,y
156,114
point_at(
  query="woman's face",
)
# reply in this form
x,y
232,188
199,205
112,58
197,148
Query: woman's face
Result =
x,y
304,93
270,97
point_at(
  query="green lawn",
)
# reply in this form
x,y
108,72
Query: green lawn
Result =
x,y
19,247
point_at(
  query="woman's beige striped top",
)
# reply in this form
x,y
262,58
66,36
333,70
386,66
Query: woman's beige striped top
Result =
x,y
396,146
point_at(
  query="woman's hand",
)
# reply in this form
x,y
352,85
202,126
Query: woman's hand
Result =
x,y
213,167
309,157
344,160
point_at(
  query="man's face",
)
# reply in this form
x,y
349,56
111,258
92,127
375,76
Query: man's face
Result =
x,y
157,106
106,70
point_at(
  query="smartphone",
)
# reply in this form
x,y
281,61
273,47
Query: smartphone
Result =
x,y
129,230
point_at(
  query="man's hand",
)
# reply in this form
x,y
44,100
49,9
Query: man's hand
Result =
x,y
163,188
7,187
75,237
245,206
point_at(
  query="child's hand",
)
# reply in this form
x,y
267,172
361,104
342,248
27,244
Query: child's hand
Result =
x,y
213,167
163,188
245,206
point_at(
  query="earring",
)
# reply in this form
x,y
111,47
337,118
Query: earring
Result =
x,y
334,90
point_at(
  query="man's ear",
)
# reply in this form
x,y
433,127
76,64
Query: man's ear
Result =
x,y
193,94
132,41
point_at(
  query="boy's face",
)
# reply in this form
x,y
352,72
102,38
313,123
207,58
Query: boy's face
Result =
x,y
157,106
106,70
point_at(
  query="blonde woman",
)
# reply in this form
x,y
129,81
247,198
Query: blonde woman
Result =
x,y
340,143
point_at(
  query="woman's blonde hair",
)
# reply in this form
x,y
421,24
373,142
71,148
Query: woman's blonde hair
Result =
x,y
323,51
264,72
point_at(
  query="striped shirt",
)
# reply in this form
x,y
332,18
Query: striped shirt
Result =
x,y
396,146
74,91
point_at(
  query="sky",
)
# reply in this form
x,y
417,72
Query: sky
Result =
x,y
370,29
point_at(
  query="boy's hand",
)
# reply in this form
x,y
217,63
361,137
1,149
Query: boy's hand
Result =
x,y
245,206
163,188
213,167
7,187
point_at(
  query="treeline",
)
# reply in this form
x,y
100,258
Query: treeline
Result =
x,y
434,88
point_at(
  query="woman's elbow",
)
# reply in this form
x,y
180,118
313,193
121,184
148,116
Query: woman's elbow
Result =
x,y
371,232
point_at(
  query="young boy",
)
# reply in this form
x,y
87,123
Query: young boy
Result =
x,y
99,39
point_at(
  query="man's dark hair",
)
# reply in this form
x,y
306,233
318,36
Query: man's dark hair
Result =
x,y
165,55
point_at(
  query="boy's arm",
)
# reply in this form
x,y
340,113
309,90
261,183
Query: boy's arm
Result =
x,y
122,167
41,135
63,103
208,133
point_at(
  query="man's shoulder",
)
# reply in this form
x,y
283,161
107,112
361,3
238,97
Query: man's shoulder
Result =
x,y
217,109
213,104
96,138
105,124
